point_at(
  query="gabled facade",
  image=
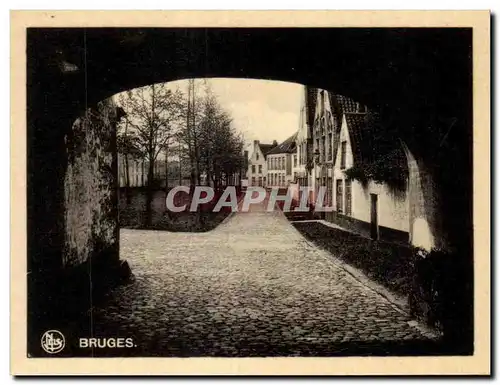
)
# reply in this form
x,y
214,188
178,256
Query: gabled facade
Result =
x,y
325,131
371,208
257,165
326,125
302,142
280,161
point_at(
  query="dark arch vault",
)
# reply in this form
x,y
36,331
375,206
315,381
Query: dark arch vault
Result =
x,y
419,79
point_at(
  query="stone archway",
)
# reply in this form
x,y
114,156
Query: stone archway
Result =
x,y
418,78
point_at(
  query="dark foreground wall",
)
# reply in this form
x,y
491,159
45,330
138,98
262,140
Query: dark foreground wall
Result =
x,y
90,191
74,236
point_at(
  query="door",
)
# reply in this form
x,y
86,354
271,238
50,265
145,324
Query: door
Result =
x,y
374,216
339,196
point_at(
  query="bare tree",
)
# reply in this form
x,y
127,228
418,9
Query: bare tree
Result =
x,y
189,136
127,146
153,114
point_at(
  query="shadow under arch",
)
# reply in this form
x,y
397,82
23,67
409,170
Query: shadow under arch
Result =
x,y
419,79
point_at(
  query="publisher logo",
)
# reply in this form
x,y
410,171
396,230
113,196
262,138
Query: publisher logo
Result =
x,y
52,341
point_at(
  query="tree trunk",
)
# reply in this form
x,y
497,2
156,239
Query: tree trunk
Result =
x,y
166,167
180,165
127,180
149,193
209,176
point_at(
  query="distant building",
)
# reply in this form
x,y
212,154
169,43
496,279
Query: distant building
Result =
x,y
257,165
137,172
280,163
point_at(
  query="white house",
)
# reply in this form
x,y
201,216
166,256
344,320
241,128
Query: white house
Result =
x,y
257,165
280,162
137,172
373,209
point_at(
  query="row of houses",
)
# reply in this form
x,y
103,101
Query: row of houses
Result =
x,y
338,148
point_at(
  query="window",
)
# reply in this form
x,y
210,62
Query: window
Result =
x,y
253,168
348,198
300,153
360,107
253,181
260,169
329,192
329,152
260,181
295,160
322,151
343,154
257,155
339,196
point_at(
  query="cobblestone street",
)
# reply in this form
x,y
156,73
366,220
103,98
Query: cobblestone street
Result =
x,y
251,287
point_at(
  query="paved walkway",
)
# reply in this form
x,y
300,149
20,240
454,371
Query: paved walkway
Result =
x,y
251,287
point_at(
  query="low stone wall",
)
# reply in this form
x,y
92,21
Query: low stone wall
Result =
x,y
363,228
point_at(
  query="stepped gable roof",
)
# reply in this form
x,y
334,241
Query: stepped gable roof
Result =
x,y
367,147
288,146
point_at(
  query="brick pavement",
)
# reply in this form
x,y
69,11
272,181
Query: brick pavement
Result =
x,y
251,287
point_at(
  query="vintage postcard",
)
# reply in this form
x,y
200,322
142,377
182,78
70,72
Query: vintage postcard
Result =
x,y
250,192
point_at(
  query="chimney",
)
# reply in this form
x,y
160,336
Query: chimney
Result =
x,y
275,143
256,142
245,159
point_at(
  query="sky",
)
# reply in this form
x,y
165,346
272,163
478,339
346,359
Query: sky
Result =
x,y
261,109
